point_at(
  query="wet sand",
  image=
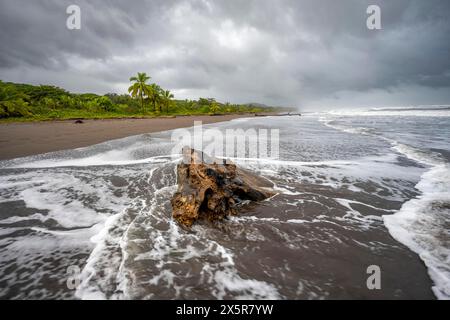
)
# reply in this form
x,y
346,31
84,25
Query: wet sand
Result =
x,y
314,239
30,138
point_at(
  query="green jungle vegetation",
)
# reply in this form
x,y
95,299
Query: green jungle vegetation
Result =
x,y
25,102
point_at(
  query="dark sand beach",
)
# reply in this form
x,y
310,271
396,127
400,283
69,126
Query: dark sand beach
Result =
x,y
211,150
343,202
29,138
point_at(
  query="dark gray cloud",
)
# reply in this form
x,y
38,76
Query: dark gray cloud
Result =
x,y
307,53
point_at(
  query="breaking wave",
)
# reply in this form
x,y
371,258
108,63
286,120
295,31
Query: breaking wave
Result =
x,y
422,223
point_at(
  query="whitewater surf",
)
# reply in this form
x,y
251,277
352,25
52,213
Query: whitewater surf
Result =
x,y
353,190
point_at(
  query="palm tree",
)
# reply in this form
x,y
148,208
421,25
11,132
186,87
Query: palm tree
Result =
x,y
167,96
155,95
139,87
214,107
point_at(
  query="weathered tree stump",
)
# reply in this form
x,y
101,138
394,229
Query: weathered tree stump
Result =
x,y
211,189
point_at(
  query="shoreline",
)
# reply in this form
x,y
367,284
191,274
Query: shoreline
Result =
x,y
21,139
347,224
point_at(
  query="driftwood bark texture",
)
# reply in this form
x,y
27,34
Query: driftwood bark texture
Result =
x,y
211,189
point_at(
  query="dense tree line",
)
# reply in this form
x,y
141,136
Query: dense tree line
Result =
x,y
25,101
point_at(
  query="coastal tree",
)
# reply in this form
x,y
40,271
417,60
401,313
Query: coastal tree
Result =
x,y
105,103
140,88
214,107
155,95
167,98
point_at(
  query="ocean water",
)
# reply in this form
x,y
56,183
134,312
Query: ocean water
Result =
x,y
354,189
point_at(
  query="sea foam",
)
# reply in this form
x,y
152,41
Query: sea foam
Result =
x,y
422,225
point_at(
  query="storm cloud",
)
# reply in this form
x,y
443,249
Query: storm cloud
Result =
x,y
311,54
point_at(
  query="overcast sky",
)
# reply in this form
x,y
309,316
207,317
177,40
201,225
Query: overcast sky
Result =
x,y
312,54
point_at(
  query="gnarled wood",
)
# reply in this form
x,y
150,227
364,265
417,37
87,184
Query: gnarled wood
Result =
x,y
210,188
